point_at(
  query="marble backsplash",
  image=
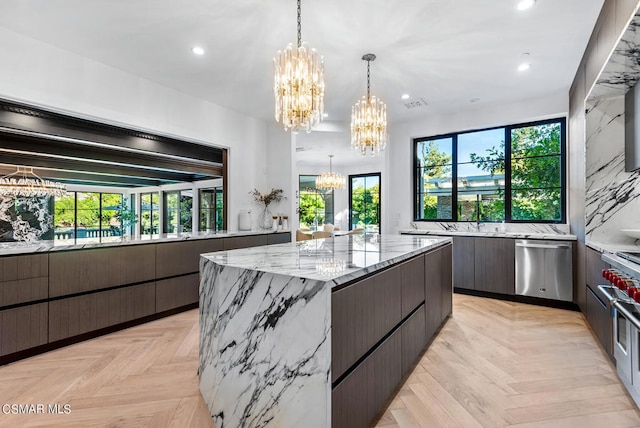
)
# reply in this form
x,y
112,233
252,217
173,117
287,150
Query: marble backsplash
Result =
x,y
492,227
612,195
25,219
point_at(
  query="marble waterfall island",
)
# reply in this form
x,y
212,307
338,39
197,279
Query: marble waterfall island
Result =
x,y
266,323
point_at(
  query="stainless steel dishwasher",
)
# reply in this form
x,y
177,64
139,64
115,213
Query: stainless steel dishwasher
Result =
x,y
544,269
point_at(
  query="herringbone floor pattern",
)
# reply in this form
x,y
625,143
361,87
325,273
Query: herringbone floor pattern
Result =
x,y
145,376
494,364
504,364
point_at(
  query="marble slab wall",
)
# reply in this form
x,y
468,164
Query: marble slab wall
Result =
x,y
25,219
612,195
265,348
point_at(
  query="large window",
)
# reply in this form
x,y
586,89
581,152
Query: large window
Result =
x,y
316,205
364,202
87,215
512,173
149,216
178,207
211,209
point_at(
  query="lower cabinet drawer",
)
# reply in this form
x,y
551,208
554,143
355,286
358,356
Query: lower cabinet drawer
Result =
x,y
599,317
23,328
77,315
414,337
176,292
356,401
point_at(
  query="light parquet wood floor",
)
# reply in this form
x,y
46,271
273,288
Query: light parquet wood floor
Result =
x,y
505,364
494,364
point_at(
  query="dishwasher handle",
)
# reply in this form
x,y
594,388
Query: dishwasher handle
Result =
x,y
555,247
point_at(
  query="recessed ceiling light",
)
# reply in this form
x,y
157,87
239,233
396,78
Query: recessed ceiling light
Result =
x,y
474,100
197,50
524,66
525,4
405,96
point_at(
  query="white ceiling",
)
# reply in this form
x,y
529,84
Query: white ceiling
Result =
x,y
444,51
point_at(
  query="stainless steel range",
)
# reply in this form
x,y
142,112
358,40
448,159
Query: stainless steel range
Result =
x,y
624,295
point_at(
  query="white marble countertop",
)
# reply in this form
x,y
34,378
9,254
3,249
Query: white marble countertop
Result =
x,y
340,259
15,248
492,234
612,248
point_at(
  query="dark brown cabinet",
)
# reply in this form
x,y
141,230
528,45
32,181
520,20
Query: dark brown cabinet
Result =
x,y
599,317
495,265
85,290
361,315
379,327
359,397
464,262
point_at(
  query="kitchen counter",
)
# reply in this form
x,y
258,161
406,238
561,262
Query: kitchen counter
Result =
x,y
14,248
611,248
269,319
491,234
334,261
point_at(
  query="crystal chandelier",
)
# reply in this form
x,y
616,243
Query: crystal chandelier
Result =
x,y
369,120
24,182
330,180
298,85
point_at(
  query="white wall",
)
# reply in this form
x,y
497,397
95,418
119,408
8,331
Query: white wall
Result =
x,y
40,74
397,188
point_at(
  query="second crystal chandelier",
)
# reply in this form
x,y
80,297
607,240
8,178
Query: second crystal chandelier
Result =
x,y
298,85
369,120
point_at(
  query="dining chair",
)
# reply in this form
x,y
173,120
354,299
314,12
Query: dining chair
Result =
x,y
319,234
301,236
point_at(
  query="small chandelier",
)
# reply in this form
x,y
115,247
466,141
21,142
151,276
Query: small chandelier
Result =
x,y
298,85
369,120
24,182
330,180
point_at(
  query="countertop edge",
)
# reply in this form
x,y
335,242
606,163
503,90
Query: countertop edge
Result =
x,y
347,277
512,235
21,248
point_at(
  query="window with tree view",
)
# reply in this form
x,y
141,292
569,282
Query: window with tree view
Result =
x,y
512,173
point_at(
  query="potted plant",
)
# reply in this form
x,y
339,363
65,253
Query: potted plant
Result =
x,y
126,216
275,195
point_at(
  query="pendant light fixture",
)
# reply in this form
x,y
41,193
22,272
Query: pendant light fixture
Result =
x,y
298,85
25,183
330,180
369,120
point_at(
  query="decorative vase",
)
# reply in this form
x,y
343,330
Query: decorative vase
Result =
x,y
265,218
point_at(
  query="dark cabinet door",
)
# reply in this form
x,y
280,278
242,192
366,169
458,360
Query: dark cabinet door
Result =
x,y
413,338
412,276
464,262
361,315
594,266
599,317
495,265
356,401
446,294
433,292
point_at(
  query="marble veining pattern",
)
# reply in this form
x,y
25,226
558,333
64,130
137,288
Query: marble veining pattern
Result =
x,y
360,254
514,235
13,211
527,228
265,357
13,248
622,70
612,199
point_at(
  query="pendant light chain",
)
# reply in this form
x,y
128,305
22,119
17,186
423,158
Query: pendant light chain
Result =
x,y
299,24
368,80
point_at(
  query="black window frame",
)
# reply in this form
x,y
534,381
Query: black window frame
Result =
x,y
318,192
507,185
